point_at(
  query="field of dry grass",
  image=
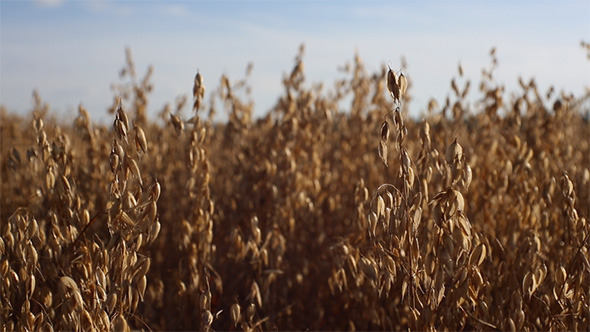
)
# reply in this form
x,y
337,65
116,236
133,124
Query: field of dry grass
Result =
x,y
474,217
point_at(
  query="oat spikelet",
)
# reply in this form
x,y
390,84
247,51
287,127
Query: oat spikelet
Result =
x,y
392,85
383,152
198,91
403,84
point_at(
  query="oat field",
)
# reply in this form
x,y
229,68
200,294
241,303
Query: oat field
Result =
x,y
320,215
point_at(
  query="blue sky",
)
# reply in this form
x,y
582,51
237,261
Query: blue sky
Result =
x,y
71,51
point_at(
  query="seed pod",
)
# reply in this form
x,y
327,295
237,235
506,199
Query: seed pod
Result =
x,y
392,85
389,199
151,211
372,223
198,84
32,257
120,324
118,149
368,268
156,190
129,200
406,162
121,129
424,184
527,283
139,241
85,217
132,165
467,177
198,92
398,120
140,141
69,283
100,276
390,264
199,87
250,311
255,293
235,313
154,231
141,286
121,115
257,234
42,139
49,180
459,200
66,184
478,255
404,288
403,84
566,185
30,284
541,273
141,268
410,177
176,123
560,276
380,206
385,131
425,133
454,152
38,124
383,152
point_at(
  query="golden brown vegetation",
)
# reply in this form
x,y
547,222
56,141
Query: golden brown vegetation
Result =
x,y
294,221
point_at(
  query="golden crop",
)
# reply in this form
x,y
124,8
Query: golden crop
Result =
x,y
472,218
